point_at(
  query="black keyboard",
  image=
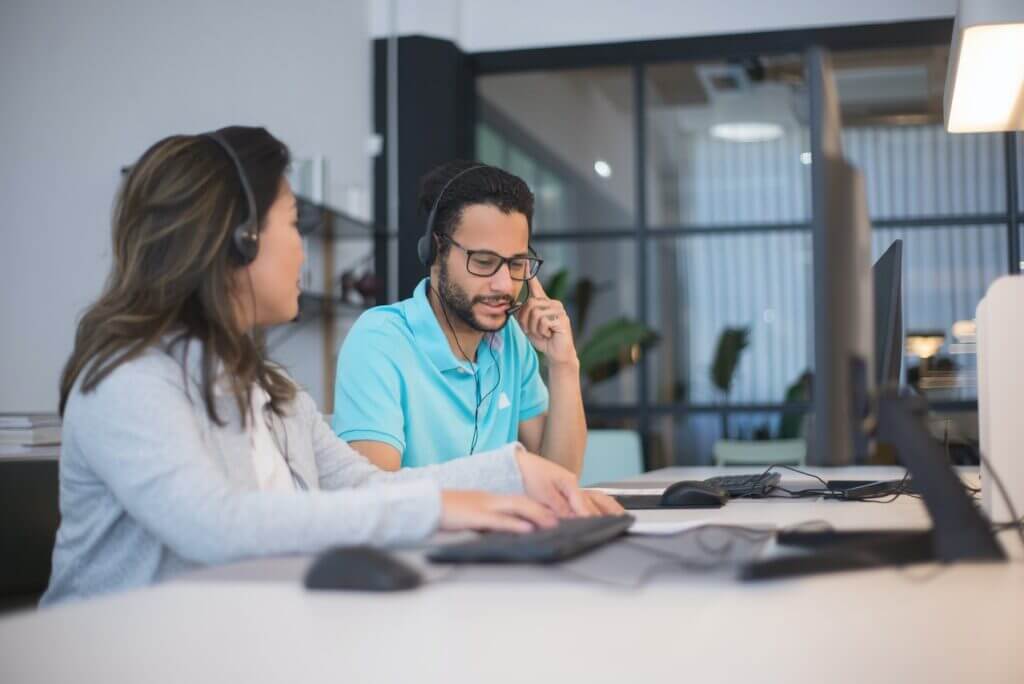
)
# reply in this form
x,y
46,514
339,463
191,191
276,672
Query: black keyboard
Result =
x,y
750,486
570,538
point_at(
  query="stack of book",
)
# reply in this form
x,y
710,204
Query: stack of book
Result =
x,y
20,432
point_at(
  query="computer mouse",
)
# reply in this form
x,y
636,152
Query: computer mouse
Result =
x,y
693,494
360,568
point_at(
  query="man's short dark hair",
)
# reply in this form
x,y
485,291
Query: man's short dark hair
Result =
x,y
486,185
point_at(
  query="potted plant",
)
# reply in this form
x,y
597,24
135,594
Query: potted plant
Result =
x,y
605,351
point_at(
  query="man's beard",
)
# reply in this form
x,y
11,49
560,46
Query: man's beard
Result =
x,y
455,299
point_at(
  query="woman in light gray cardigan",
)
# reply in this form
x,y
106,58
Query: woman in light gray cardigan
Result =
x,y
183,446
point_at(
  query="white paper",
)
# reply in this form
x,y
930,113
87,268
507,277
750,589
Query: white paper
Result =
x,y
632,488
666,527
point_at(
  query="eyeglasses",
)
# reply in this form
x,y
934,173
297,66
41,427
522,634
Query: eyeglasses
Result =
x,y
485,263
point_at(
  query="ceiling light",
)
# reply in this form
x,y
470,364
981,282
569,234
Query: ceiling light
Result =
x,y
924,344
603,168
965,331
805,158
985,77
747,131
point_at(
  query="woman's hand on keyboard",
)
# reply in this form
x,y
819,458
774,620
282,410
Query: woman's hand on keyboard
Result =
x,y
469,510
604,504
555,487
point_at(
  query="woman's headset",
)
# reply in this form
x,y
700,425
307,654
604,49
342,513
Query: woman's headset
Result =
x,y
245,237
245,241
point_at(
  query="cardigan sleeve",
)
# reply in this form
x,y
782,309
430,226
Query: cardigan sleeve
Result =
x,y
138,431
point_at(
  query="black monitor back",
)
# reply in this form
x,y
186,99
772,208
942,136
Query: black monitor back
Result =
x,y
887,275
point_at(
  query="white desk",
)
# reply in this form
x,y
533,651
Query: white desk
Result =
x,y
923,624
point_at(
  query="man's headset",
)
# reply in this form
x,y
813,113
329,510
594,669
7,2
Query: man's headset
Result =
x,y
245,237
425,247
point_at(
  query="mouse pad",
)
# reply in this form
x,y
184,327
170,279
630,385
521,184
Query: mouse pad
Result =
x,y
631,561
628,562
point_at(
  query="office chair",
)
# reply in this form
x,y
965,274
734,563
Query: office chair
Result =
x,y
611,455
768,452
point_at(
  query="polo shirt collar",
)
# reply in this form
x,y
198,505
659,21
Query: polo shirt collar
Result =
x,y
431,338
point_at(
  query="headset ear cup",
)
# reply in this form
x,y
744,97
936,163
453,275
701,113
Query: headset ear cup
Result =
x,y
425,246
246,243
245,237
423,250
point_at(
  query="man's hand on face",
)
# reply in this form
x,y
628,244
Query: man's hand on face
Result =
x,y
547,326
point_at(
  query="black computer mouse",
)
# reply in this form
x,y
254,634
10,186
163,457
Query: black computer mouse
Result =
x,y
693,494
361,568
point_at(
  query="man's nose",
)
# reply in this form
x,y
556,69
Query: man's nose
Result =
x,y
502,280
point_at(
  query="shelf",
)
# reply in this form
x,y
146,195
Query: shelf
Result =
x,y
324,229
315,304
321,220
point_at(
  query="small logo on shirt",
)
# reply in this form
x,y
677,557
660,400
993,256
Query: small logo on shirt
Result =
x,y
503,402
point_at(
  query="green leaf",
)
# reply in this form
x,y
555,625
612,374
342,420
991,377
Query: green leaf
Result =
x,y
799,391
585,289
731,344
558,286
610,347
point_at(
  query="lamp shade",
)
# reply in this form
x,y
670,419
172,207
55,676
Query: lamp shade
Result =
x,y
985,77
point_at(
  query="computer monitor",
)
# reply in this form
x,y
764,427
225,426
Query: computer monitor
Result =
x,y
844,341
887,273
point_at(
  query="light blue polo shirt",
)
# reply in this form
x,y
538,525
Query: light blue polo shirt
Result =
x,y
398,382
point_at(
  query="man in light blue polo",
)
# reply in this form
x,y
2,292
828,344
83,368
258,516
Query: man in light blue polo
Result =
x,y
454,369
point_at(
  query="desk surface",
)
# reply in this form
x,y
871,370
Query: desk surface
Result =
x,y
926,623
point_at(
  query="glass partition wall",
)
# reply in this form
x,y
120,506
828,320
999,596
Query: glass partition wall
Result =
x,y
673,201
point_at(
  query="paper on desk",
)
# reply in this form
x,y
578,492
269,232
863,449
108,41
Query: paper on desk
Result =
x,y
666,527
627,489
20,452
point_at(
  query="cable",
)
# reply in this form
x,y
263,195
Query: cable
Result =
x,y
1003,527
796,470
476,376
677,561
797,494
297,477
752,535
1017,522
721,555
901,489
481,400
1005,496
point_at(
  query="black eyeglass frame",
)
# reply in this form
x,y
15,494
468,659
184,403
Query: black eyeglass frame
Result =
x,y
532,258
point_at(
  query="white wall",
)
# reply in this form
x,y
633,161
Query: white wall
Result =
x,y
87,86
481,25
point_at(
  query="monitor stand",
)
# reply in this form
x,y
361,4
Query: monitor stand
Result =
x,y
959,531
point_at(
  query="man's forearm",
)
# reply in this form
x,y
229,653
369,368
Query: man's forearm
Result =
x,y
382,455
565,430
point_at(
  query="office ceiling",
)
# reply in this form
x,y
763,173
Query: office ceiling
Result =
x,y
876,87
